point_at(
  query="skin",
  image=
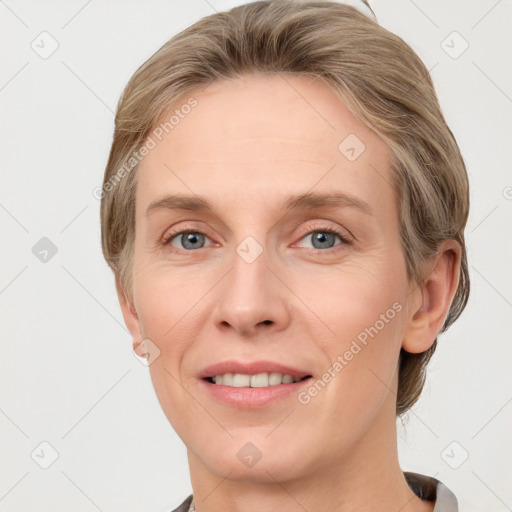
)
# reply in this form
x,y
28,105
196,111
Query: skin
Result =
x,y
250,142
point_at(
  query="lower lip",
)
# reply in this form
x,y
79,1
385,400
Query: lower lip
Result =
x,y
253,398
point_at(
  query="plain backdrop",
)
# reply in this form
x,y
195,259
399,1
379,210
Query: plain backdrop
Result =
x,y
73,397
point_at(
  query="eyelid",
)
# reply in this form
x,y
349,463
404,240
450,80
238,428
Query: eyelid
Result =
x,y
172,232
345,235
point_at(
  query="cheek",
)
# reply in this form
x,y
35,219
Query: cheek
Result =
x,y
363,309
368,322
167,305
173,305
165,302
352,296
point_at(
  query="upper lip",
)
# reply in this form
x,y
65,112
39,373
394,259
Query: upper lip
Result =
x,y
250,368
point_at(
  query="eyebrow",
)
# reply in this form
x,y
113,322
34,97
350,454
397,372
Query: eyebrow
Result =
x,y
306,201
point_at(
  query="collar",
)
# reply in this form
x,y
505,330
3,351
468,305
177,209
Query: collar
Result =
x,y
425,487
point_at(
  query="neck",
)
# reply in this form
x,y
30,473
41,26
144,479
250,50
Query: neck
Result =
x,y
367,478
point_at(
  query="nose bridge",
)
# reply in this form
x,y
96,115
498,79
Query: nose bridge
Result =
x,y
251,296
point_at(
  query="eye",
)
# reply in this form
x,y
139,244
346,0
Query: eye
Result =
x,y
324,238
189,240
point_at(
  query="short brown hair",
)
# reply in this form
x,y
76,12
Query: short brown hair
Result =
x,y
379,77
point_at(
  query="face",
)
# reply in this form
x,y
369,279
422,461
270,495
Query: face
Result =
x,y
263,280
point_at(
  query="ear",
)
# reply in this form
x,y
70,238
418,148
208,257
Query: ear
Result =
x,y
429,303
129,314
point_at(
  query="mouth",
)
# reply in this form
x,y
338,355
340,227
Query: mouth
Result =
x,y
254,384
255,391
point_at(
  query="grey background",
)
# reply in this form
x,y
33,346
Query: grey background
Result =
x,y
68,376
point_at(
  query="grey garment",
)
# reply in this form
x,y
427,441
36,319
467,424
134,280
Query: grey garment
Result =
x,y
185,505
431,489
425,487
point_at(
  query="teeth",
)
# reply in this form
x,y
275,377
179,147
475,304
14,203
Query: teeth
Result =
x,y
260,380
241,381
275,378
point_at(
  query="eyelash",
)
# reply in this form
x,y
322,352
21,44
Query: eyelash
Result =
x,y
312,229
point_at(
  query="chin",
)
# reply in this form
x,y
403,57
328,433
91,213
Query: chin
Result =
x,y
255,456
263,471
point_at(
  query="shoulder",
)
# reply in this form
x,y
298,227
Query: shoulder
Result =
x,y
430,489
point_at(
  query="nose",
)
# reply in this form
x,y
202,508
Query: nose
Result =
x,y
252,298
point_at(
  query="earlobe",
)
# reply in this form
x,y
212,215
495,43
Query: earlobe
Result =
x,y
130,316
429,303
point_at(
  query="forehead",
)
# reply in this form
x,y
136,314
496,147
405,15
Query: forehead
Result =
x,y
260,134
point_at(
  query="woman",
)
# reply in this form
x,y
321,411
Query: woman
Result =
x,y
284,210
